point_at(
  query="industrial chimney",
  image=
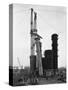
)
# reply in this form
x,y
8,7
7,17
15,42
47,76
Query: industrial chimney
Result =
x,y
55,51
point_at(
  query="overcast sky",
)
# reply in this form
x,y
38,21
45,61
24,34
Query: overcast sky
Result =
x,y
50,20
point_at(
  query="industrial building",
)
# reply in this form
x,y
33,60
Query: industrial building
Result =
x,y
47,60
50,59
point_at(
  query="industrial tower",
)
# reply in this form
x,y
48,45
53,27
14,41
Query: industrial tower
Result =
x,y
35,43
55,50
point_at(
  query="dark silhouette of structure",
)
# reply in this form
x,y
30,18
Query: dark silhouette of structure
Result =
x,y
50,59
55,50
47,60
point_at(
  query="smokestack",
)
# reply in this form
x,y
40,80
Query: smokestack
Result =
x,y
55,50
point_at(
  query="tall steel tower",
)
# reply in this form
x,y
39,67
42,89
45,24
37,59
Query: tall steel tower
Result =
x,y
35,43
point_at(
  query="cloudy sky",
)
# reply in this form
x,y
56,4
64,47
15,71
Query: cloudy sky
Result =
x,y
50,20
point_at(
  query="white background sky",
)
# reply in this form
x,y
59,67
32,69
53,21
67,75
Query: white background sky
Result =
x,y
49,20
